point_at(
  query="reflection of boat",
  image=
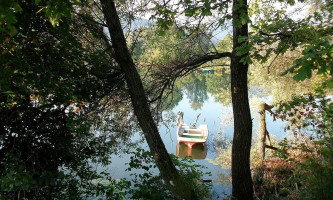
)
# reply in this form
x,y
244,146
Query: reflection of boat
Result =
x,y
198,151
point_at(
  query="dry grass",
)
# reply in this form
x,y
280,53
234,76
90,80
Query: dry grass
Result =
x,y
274,180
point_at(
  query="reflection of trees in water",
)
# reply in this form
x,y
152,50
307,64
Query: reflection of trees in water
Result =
x,y
280,88
219,86
225,179
197,85
271,83
195,89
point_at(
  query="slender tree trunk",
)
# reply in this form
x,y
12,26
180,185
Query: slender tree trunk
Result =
x,y
169,173
242,188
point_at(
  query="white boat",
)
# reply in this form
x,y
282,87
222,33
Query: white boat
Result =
x,y
189,134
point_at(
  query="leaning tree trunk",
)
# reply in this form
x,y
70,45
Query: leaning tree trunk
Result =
x,y
241,175
169,173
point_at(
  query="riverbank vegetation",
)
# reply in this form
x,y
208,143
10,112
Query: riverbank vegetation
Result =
x,y
299,167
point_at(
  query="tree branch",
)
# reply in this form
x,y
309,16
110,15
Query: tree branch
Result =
x,y
193,63
281,35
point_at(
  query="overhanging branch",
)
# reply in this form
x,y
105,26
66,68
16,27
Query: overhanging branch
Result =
x,y
167,77
197,62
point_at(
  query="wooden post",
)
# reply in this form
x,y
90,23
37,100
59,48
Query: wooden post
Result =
x,y
263,130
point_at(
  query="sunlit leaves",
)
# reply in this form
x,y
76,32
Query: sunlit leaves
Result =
x,y
198,8
54,10
318,57
290,2
188,13
309,118
276,31
242,18
192,12
165,18
244,49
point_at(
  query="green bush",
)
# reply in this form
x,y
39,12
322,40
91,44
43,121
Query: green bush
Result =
x,y
149,184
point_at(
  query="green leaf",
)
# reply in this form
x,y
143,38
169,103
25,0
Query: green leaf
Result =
x,y
303,73
329,84
17,7
206,12
12,30
221,21
161,32
237,23
243,20
242,39
285,72
189,12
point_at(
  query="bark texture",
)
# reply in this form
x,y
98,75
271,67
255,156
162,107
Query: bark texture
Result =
x,y
242,188
179,188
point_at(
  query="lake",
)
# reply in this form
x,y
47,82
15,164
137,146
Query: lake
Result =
x,y
197,96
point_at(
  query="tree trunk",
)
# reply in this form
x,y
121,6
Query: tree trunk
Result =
x,y
242,188
179,188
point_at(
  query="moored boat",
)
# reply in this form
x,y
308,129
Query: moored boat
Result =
x,y
186,133
191,135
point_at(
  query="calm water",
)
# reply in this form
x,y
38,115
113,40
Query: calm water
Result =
x,y
218,117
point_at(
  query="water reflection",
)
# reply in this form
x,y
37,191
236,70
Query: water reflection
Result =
x,y
198,151
196,87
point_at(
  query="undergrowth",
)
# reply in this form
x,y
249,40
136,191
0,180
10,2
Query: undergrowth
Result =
x,y
301,168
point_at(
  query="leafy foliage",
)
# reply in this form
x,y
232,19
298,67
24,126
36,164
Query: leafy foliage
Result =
x,y
50,81
276,31
147,185
54,10
309,154
268,77
318,57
